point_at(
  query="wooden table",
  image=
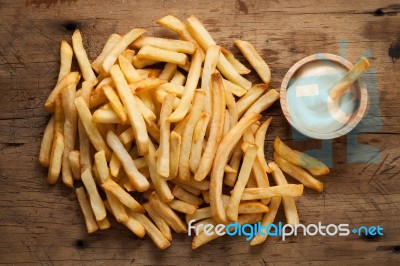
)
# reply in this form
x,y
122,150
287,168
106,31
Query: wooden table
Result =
x,y
40,224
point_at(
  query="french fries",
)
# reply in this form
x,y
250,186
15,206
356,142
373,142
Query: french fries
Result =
x,y
157,141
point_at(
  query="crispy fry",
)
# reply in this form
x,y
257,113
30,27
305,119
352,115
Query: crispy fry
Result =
x,y
47,143
168,72
240,68
255,60
199,215
210,63
159,221
264,102
117,208
197,141
166,44
275,191
216,127
174,154
234,163
178,78
176,25
190,88
87,211
252,207
160,95
182,206
90,127
130,73
72,77
315,166
119,47
147,114
146,85
97,96
163,160
267,220
157,54
82,58
259,140
135,117
94,197
140,63
197,108
224,149
185,196
250,97
234,88
66,54
123,196
56,158
104,224
74,161
129,54
136,178
232,210
172,89
299,174
167,214
115,103
111,42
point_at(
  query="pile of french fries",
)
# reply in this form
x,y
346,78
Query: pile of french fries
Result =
x,y
159,147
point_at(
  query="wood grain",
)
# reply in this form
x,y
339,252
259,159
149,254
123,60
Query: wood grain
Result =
x,y
40,224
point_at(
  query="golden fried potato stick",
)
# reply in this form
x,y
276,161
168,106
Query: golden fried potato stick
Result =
x,y
187,136
167,214
190,88
163,159
166,44
216,127
117,208
130,73
182,206
234,163
153,53
94,197
90,127
70,130
66,54
111,42
315,166
159,221
298,173
119,47
47,143
264,102
232,210
72,77
235,89
82,58
200,214
289,205
205,40
186,196
168,72
128,54
159,182
175,24
250,97
178,78
104,224
115,102
255,60
123,196
267,220
259,140
90,221
249,207
197,141
224,149
290,190
210,63
174,154
240,68
135,117
74,158
56,158
137,179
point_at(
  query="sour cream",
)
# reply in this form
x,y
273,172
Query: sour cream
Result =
x,y
309,104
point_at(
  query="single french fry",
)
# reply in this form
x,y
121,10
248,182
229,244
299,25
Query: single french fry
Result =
x,y
122,195
192,190
234,163
115,103
289,205
174,154
130,73
232,108
82,58
117,208
268,219
94,197
70,130
178,78
128,54
56,158
172,89
197,141
47,144
135,117
152,231
210,63
216,127
147,114
163,160
232,211
264,102
97,96
298,173
140,63
74,161
87,211
234,88
159,221
315,166
226,124
185,196
119,47
160,95
240,68
250,97
252,207
255,60
182,206
66,54
259,140
90,127
224,149
72,77
153,53
145,85
160,183
199,215
197,108
176,25
275,191
168,72
111,42
136,178
166,44
167,214
104,224
190,88
131,223
206,196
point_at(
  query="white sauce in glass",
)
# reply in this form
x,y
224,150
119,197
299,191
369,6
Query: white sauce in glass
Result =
x,y
309,104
